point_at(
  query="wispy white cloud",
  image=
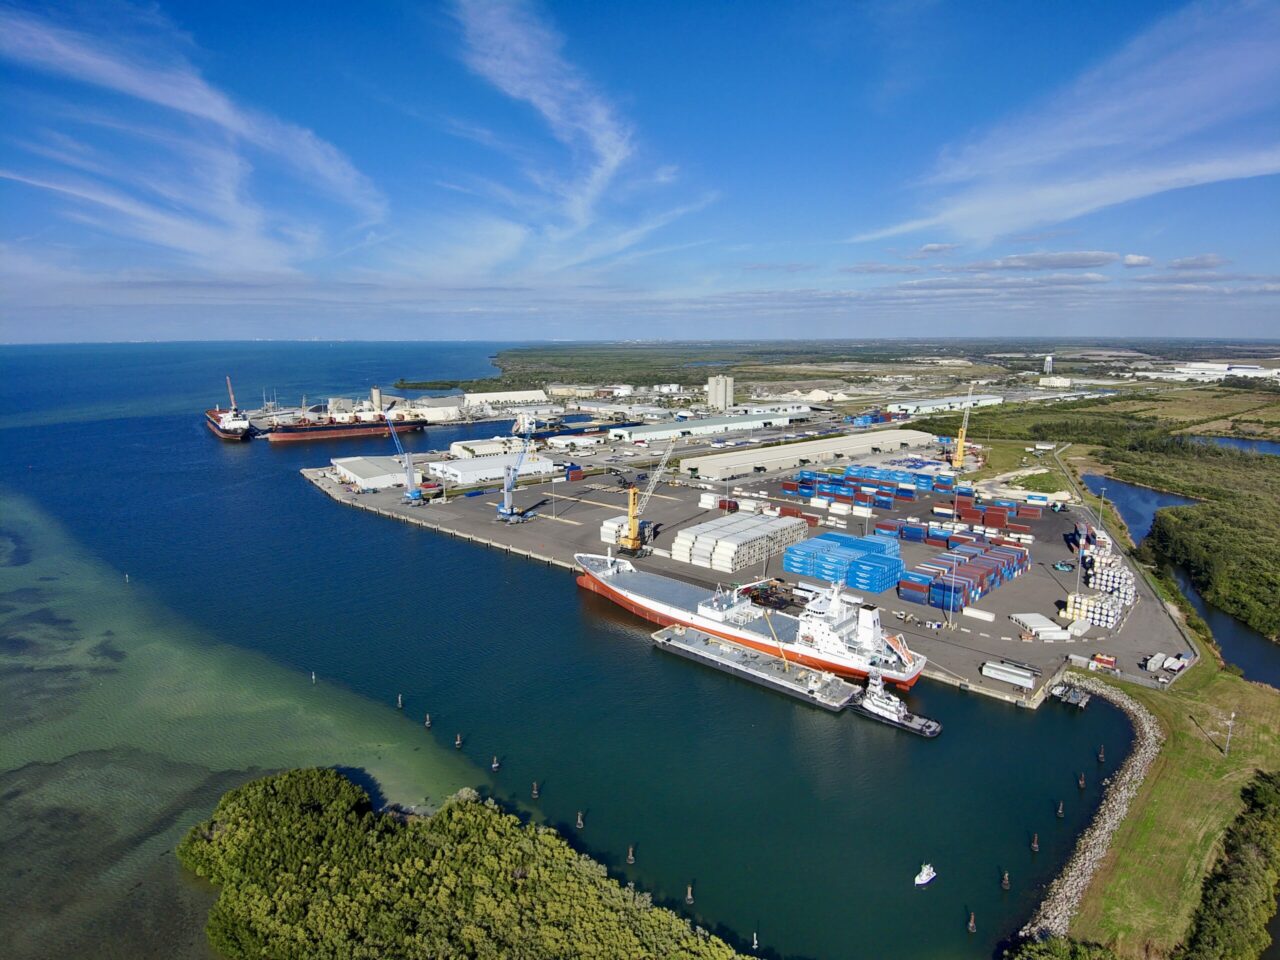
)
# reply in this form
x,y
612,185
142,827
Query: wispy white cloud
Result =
x,y
875,266
927,250
507,44
1170,110
1066,260
165,161
786,267
163,78
1203,261
1136,260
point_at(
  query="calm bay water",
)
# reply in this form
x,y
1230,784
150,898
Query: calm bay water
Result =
x,y
802,826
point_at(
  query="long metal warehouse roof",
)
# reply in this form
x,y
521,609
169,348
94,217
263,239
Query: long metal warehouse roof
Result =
x,y
724,466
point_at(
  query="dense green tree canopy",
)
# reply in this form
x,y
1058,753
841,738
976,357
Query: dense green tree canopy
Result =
x,y
309,870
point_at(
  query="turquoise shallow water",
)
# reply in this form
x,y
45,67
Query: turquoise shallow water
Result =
x,y
804,827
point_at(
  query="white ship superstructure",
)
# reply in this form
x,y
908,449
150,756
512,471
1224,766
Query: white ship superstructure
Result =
x,y
837,632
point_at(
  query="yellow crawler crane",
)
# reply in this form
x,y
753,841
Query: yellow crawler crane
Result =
x,y
957,455
631,541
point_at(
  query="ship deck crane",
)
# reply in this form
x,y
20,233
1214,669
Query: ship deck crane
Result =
x,y
637,501
411,491
957,455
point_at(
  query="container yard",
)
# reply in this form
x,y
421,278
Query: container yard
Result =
x,y
969,581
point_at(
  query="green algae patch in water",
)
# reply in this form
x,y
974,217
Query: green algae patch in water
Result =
x,y
122,726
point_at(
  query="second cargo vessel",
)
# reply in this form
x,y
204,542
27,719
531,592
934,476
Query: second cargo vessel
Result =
x,y
836,632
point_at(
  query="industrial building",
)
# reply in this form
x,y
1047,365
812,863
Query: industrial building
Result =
x,y
707,426
504,398
942,404
1061,383
435,409
465,449
373,473
1208,372
476,470
575,441
757,409
720,393
571,390
740,463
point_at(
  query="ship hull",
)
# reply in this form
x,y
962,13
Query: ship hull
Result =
x,y
674,616
229,436
337,431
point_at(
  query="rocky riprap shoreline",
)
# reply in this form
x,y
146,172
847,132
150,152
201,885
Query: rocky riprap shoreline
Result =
x,y
1054,914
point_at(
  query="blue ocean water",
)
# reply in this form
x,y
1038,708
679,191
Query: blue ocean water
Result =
x,y
803,827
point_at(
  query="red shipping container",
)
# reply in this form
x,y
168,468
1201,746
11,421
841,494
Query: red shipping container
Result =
x,y
843,498
935,543
810,519
790,486
790,512
1019,528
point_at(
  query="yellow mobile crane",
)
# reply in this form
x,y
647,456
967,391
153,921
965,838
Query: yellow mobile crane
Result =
x,y
631,541
957,455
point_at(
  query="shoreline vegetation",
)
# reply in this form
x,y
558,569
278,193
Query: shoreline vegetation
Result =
x,y
1152,892
308,869
1237,900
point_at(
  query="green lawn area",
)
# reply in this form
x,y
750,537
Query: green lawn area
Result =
x,y
1143,896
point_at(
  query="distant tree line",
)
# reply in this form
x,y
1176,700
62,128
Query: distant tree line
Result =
x,y
309,871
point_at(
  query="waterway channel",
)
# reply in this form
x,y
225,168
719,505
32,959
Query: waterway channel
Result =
x,y
1248,649
803,827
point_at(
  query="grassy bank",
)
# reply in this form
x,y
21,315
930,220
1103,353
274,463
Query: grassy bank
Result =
x,y
1143,897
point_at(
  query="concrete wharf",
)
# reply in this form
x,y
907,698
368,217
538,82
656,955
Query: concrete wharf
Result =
x,y
564,519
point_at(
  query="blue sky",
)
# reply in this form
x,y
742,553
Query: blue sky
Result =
x,y
596,170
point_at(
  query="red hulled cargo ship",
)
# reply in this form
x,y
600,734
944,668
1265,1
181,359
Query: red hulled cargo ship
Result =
x,y
836,633
230,425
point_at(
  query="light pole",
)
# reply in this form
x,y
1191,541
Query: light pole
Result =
x,y
1231,722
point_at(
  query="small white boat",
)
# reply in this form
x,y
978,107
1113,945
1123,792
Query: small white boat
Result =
x,y
926,875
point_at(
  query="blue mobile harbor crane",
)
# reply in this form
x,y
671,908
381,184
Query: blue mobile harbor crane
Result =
x,y
507,509
411,491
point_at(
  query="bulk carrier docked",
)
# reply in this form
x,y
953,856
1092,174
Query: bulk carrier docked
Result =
x,y
367,418
230,424
836,632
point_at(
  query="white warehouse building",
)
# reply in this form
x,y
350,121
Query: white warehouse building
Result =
x,y
706,426
476,470
485,448
373,473
741,463
939,404
575,441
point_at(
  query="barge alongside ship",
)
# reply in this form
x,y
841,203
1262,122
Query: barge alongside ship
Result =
x,y
837,633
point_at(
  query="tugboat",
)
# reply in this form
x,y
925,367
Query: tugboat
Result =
x,y
926,875
879,704
230,424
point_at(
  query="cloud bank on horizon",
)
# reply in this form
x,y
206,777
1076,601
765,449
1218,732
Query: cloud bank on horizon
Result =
x,y
533,171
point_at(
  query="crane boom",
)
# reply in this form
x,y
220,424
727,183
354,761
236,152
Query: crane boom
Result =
x,y
957,455
411,491
636,502
507,511
232,394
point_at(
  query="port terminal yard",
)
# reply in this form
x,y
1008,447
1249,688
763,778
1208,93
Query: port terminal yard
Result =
x,y
564,518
